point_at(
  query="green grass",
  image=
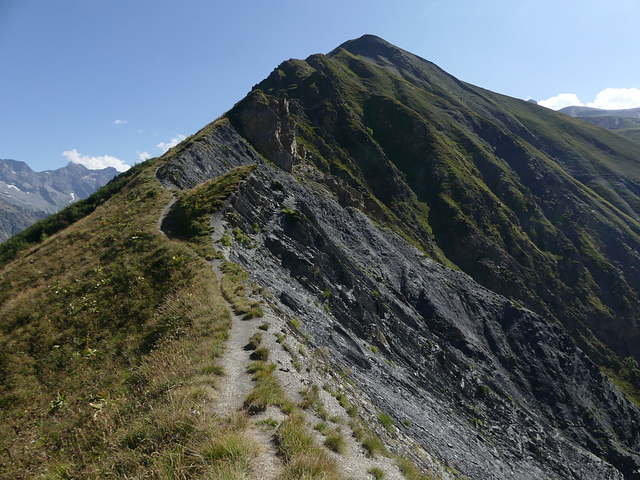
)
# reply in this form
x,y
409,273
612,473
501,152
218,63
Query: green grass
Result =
x,y
376,472
410,471
303,458
335,441
255,341
481,176
189,218
109,339
267,390
386,421
234,289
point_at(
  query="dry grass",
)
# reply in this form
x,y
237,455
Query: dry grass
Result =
x,y
267,390
108,345
302,456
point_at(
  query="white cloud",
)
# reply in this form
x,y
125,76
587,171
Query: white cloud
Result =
x,y
95,163
561,101
143,156
607,99
174,141
119,122
616,99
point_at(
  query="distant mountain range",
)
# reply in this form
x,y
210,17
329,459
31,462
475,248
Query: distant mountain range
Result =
x,y
27,196
626,121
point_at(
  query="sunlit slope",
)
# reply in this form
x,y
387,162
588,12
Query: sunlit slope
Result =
x,y
108,341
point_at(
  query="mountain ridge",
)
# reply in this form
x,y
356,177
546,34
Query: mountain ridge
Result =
x,y
625,122
461,260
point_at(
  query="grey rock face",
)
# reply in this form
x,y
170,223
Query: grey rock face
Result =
x,y
208,156
271,129
489,388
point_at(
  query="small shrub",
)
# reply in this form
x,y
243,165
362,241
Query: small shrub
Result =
x,y
264,326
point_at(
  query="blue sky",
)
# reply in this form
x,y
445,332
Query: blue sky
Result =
x,y
111,81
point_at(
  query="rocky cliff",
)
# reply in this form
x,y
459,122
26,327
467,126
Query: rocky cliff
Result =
x,y
381,181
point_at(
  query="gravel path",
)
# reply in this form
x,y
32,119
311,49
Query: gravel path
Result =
x,y
236,384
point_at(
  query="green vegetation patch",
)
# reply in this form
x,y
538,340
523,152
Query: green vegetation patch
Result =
x,y
267,390
303,458
189,218
233,287
110,335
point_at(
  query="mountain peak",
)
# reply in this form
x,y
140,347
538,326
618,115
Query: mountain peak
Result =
x,y
368,46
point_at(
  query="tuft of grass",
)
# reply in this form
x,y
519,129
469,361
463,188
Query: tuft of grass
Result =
x,y
261,353
377,473
303,458
373,446
386,421
322,427
264,326
234,290
311,399
254,341
235,449
335,441
352,411
292,438
314,465
295,360
410,471
267,390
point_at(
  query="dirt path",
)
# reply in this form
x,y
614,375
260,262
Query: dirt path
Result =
x,y
236,384
165,212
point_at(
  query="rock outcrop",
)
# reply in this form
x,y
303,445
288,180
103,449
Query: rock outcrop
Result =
x,y
488,387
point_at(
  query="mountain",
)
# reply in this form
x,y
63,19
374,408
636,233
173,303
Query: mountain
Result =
x,y
626,121
425,279
27,196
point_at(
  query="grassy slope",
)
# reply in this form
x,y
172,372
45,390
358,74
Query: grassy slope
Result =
x,y
533,204
108,341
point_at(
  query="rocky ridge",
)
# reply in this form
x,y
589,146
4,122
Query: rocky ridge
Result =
x,y
486,386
